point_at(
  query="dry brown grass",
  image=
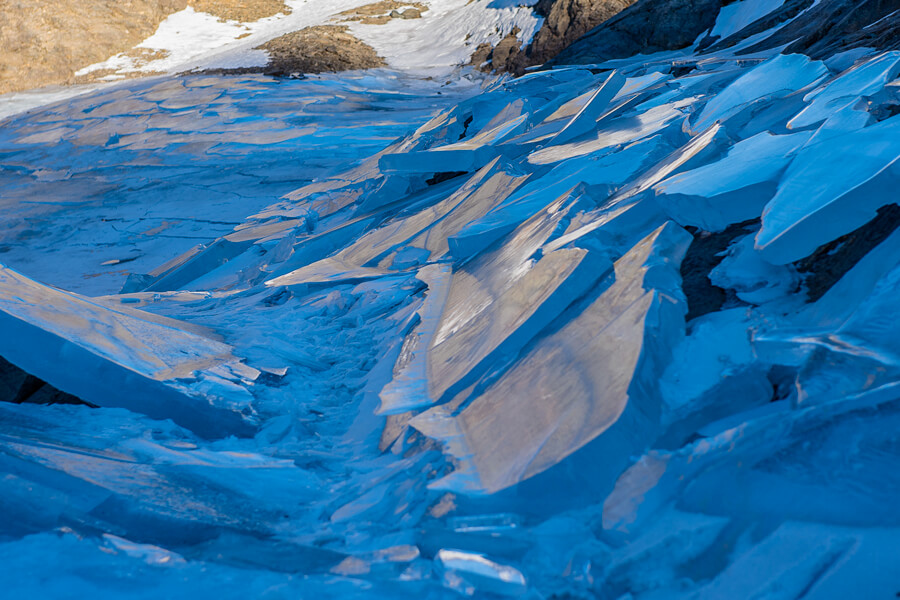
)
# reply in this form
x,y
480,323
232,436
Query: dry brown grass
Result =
x,y
241,10
44,42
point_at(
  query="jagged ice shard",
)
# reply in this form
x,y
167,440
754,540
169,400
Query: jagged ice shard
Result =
x,y
619,326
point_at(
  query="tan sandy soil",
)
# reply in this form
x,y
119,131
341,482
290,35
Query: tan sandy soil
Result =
x,y
45,42
245,11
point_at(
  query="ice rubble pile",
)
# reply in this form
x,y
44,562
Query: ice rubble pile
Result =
x,y
592,331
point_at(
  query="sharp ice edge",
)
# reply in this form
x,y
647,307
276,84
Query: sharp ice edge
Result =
x,y
461,366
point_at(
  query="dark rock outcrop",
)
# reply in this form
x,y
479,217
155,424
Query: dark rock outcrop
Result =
x,y
837,25
703,255
825,267
818,30
568,20
564,22
645,27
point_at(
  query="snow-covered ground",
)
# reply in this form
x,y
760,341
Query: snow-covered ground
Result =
x,y
593,332
434,45
445,36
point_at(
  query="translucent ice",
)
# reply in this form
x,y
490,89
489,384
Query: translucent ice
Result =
x,y
731,190
592,380
122,357
833,186
863,80
779,76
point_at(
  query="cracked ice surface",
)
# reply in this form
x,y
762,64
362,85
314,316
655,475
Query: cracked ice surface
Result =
x,y
591,334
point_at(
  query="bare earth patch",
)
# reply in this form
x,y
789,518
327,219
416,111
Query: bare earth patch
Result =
x,y
379,13
320,49
244,11
45,41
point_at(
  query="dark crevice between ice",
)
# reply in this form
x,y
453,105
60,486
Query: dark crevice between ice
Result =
x,y
20,387
829,263
704,254
444,176
466,124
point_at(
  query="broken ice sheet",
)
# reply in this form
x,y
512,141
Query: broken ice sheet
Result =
x,y
713,373
847,342
465,569
592,380
827,463
617,132
465,155
779,76
501,299
146,480
427,230
738,15
835,184
122,357
585,120
731,190
863,80
753,280
491,306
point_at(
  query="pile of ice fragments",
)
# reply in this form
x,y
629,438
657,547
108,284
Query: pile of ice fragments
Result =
x,y
621,330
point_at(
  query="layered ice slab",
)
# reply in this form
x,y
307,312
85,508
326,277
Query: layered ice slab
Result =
x,y
489,308
775,78
734,189
864,80
418,238
835,184
122,357
592,381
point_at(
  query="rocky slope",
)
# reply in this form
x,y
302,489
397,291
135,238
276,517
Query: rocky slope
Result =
x,y
319,49
819,29
565,21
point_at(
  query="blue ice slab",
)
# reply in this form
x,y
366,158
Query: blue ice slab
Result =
x,y
488,309
592,381
777,77
122,357
833,186
863,80
427,230
466,572
766,450
585,120
731,190
467,155
754,280
714,373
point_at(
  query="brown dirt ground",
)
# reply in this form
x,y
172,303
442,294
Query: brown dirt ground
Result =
x,y
245,11
45,42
